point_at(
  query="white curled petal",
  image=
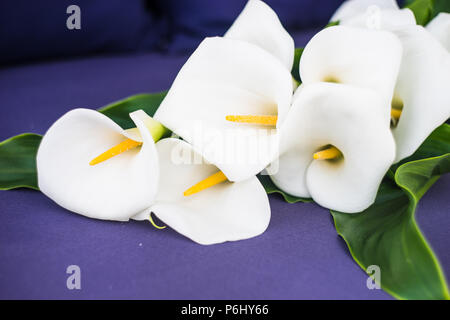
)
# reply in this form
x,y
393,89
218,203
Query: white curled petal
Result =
x,y
225,212
290,166
423,86
115,189
291,174
228,77
382,19
259,24
439,27
351,8
359,57
349,118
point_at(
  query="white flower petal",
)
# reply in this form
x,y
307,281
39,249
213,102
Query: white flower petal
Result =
x,y
259,24
351,8
228,77
115,189
292,163
225,212
383,19
359,57
423,86
349,118
439,27
292,166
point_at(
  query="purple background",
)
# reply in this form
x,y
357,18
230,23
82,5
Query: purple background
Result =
x,y
300,255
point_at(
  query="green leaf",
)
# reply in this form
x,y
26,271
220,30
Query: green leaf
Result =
x,y
386,234
119,111
270,188
18,162
18,154
426,10
423,10
332,24
295,68
437,143
440,6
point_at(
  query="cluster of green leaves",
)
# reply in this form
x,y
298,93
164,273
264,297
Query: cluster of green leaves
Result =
x,y
386,234
18,154
426,10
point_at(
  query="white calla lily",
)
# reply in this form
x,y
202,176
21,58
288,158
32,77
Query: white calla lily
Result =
x,y
227,211
377,14
355,56
269,34
422,87
233,92
135,177
112,190
421,100
223,78
439,27
336,146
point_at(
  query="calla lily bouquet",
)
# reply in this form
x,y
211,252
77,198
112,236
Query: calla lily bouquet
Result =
x,y
355,121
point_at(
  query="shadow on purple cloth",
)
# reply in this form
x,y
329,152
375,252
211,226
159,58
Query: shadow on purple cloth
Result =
x,y
300,255
31,31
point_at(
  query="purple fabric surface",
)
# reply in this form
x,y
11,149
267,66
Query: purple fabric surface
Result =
x,y
300,255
